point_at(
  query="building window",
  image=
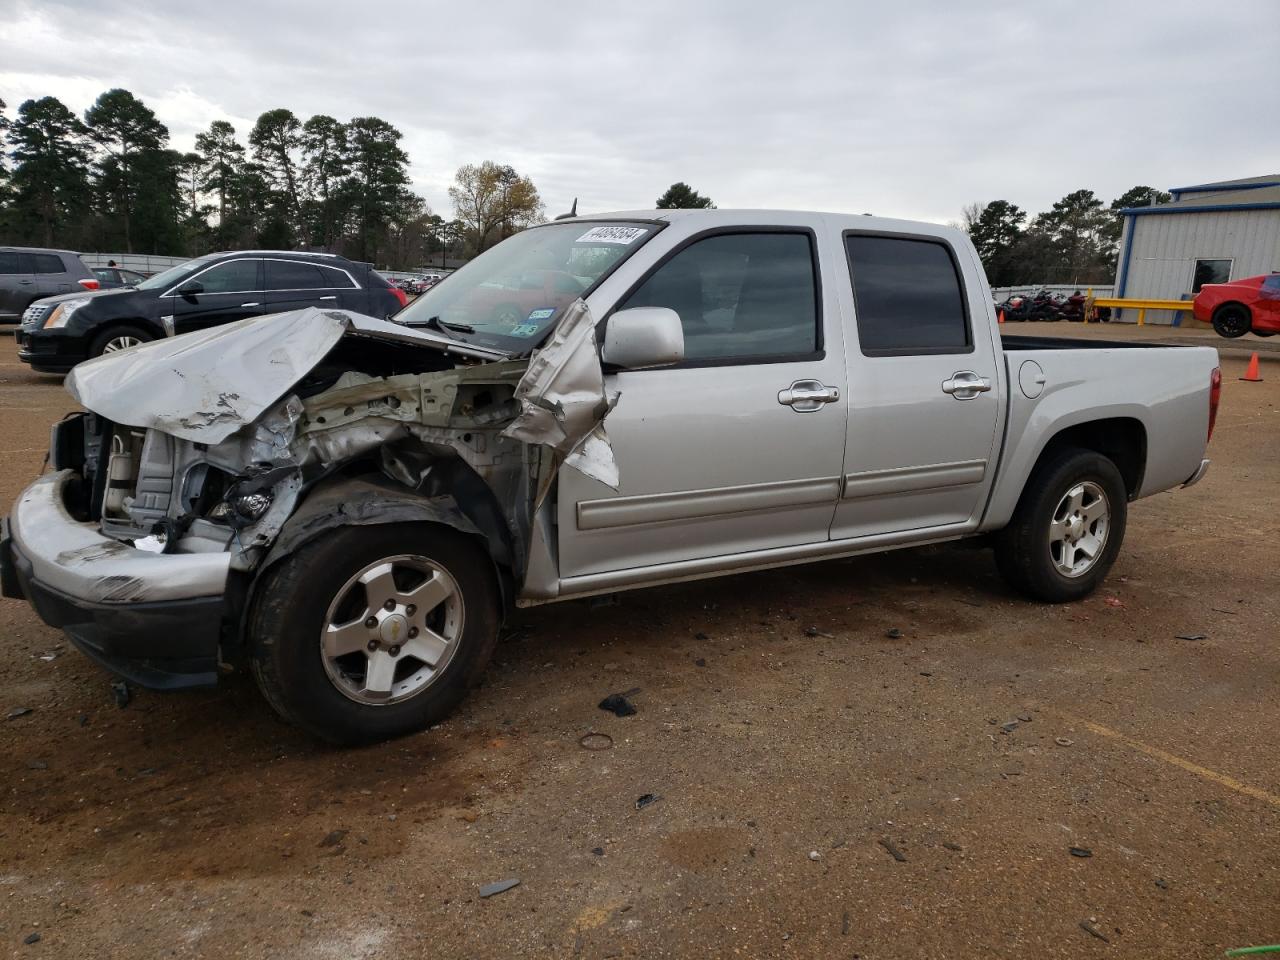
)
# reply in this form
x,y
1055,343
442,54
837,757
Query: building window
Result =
x,y
1210,271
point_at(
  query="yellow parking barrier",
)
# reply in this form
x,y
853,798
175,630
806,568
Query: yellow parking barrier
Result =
x,y
1142,306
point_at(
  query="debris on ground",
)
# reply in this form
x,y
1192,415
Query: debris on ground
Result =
x,y
1009,726
122,693
814,855
618,705
31,938
700,636
954,847
17,712
1093,931
1063,741
595,741
598,851
892,849
1113,602
815,632
1189,636
1162,883
1024,717
646,799
700,662
500,886
893,633
333,838
1080,851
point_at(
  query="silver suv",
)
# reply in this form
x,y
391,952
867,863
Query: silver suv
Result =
x,y
29,273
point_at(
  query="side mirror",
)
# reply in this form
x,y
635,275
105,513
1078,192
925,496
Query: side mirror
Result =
x,y
191,288
643,337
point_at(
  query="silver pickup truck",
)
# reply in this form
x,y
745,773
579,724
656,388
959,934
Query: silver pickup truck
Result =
x,y
348,506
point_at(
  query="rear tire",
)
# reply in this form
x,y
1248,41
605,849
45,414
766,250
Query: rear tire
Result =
x,y
321,664
1067,529
1232,320
118,338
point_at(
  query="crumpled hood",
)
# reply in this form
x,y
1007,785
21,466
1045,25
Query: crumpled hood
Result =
x,y
204,386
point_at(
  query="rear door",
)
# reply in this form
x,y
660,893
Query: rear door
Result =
x,y
52,275
294,284
231,290
924,387
721,454
16,287
17,283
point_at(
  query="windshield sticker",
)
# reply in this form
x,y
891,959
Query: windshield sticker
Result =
x,y
542,314
622,235
525,330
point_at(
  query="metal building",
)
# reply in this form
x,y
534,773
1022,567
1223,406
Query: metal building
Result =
x,y
1208,233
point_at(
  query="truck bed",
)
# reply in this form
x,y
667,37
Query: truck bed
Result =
x,y
1014,341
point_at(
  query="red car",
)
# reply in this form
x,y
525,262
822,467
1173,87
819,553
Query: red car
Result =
x,y
1241,306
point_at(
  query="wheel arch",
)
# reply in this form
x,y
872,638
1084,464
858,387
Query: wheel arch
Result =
x,y
1225,304
1122,440
372,499
106,326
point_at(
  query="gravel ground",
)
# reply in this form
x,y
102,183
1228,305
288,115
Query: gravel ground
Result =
x,y
891,756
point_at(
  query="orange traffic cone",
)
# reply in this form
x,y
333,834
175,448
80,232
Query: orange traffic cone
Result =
x,y
1251,374
1000,316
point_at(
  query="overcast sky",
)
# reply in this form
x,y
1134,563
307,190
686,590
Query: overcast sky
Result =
x,y
899,109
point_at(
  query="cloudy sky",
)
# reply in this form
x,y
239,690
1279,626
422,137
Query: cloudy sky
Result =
x,y
908,109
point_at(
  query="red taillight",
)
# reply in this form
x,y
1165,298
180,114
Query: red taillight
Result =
x,y
88,284
1215,394
404,301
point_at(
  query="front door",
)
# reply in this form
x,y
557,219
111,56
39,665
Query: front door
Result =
x,y
924,388
228,291
738,448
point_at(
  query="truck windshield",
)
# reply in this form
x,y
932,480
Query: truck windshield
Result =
x,y
512,294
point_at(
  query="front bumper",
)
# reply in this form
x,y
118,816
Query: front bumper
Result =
x,y
50,354
153,618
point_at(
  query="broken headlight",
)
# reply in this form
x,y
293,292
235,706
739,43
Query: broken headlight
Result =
x,y
240,510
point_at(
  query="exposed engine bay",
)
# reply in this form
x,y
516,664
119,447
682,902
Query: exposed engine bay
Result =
x,y
213,443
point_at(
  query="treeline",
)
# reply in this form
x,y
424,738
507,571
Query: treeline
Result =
x,y
111,181
1074,242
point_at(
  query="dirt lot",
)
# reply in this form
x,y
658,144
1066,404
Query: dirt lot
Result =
x,y
790,767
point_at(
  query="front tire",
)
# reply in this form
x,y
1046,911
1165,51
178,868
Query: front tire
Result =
x,y
1067,529
118,338
1232,320
374,632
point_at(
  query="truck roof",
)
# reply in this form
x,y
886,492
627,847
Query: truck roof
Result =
x,y
758,217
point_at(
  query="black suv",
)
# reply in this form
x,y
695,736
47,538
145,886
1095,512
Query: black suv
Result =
x,y
59,332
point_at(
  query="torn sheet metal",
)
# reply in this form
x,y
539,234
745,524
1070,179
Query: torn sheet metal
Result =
x,y
206,385
563,402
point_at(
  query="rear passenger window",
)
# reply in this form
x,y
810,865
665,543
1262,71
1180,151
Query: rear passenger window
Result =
x,y
336,279
48,263
292,275
907,295
740,297
8,263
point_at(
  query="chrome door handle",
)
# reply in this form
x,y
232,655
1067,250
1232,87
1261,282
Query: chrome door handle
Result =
x,y
250,304
965,385
328,298
806,396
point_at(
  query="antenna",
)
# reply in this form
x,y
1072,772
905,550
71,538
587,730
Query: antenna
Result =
x,y
573,211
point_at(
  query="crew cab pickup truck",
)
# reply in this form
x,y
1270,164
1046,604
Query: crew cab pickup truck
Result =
x,y
347,506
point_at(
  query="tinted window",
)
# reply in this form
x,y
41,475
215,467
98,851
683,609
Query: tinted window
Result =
x,y
48,263
907,296
740,296
238,276
1271,284
336,278
105,274
8,262
1210,271
293,275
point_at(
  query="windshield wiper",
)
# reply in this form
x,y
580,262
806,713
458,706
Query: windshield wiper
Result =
x,y
435,323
